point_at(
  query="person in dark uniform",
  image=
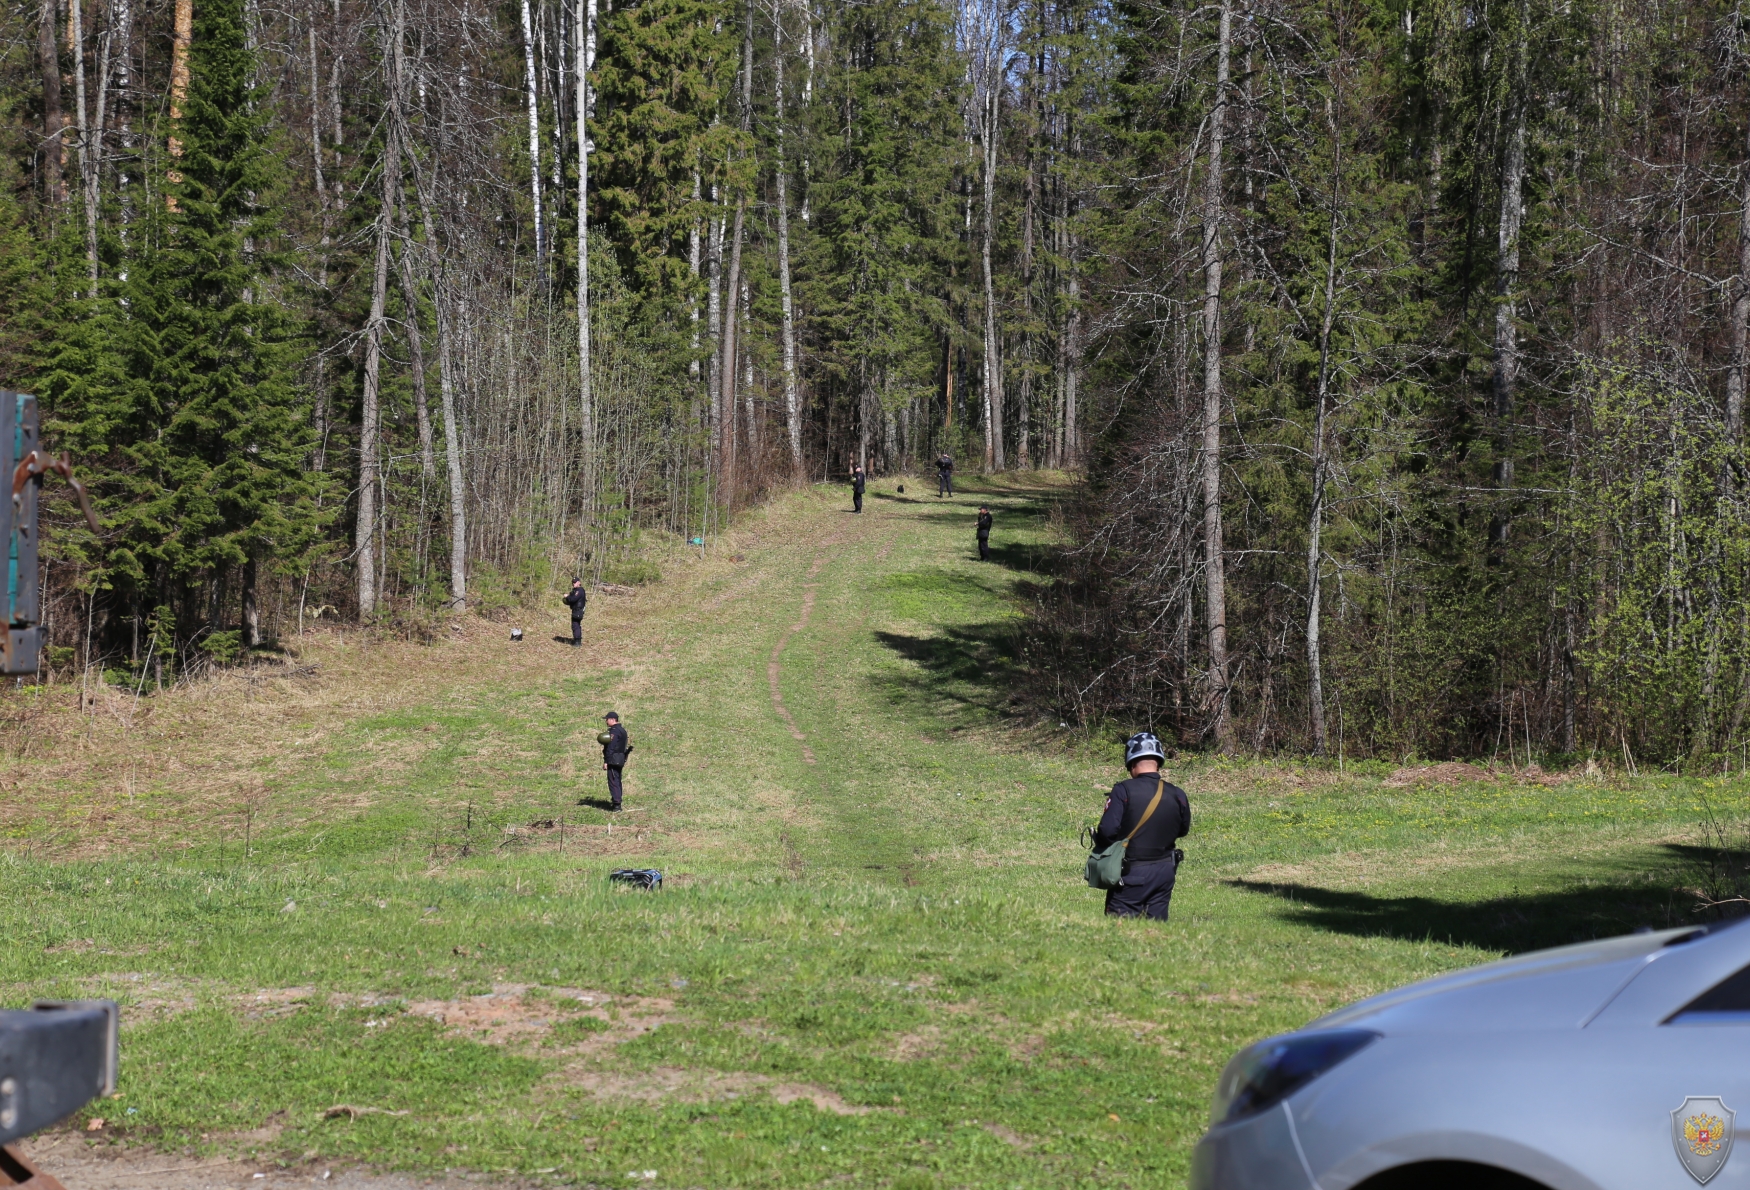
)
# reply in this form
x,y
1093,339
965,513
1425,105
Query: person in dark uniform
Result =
x,y
858,483
983,534
944,475
1151,861
575,600
614,754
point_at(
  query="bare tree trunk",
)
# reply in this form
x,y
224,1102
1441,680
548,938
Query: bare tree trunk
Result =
x,y
1569,677
1316,521
251,606
334,108
1029,221
1505,379
865,404
447,397
182,33
695,259
714,324
947,388
726,369
726,364
452,457
416,349
1057,454
556,80
993,361
1070,340
1740,311
1054,456
1215,575
807,97
751,420
792,405
89,149
316,111
1072,437
534,140
584,39
409,285
48,51
365,533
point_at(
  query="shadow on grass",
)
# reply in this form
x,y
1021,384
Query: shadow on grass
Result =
x,y
1027,558
1651,889
969,665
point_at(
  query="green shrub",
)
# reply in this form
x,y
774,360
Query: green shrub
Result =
x,y
489,592
223,647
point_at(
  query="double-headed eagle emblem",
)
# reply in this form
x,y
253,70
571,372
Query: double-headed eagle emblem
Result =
x,y
1701,1131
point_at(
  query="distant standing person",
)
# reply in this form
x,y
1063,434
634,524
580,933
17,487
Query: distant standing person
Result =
x,y
858,482
1153,815
575,599
944,475
983,534
615,749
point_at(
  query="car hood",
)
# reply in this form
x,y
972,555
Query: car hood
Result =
x,y
1560,988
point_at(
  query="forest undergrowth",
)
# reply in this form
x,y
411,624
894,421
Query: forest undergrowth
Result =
x,y
356,911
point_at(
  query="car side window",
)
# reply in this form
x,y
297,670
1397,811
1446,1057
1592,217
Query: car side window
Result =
x,y
1726,1003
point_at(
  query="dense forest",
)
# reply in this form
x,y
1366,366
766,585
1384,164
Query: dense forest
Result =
x,y
1400,349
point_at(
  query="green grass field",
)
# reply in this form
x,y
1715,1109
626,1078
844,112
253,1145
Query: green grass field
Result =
x,y
369,883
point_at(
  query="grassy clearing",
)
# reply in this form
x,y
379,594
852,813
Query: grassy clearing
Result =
x,y
372,884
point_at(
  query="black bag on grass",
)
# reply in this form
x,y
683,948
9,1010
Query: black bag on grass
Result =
x,y
645,878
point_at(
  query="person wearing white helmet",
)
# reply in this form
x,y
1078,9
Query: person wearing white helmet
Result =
x,y
1152,815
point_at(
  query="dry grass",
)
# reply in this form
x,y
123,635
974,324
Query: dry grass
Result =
x,y
129,771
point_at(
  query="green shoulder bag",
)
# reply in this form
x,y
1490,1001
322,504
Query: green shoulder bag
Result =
x,y
1106,865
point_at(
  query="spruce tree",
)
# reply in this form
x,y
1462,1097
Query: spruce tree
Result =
x,y
180,386
663,72
885,235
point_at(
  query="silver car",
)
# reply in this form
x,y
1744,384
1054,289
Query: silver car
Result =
x,y
1613,1065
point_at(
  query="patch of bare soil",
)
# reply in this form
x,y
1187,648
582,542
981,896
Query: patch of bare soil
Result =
x,y
913,1047
273,1002
509,1014
82,1165
676,1084
89,946
145,996
1008,1136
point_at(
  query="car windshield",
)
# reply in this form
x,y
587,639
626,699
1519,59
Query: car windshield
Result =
x,y
1726,1003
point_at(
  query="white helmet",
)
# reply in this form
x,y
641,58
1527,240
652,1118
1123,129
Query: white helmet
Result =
x,y
1142,744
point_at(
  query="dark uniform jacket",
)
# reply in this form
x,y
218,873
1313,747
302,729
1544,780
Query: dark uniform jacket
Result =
x,y
984,531
1124,808
944,466
615,750
858,479
575,599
